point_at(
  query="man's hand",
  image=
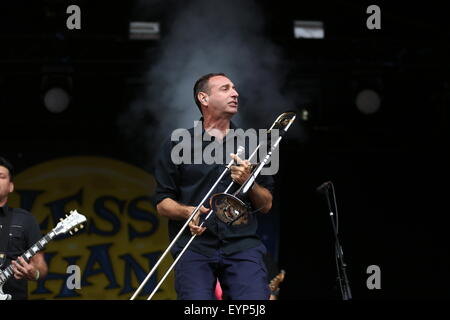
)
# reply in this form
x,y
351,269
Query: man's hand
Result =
x,y
259,196
193,224
242,171
23,270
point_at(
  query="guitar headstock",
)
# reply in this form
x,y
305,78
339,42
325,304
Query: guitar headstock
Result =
x,y
275,282
72,222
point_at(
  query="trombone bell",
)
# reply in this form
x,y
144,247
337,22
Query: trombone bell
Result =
x,y
228,208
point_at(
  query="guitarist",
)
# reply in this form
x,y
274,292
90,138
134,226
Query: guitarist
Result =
x,y
19,230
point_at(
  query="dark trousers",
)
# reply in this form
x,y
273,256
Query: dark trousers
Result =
x,y
242,276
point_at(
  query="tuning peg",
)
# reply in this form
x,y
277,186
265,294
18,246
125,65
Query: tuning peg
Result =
x,y
81,226
75,229
61,219
71,233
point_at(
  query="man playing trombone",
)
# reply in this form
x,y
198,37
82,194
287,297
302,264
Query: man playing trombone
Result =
x,y
232,253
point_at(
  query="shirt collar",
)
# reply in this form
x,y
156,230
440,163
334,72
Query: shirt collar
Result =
x,y
232,125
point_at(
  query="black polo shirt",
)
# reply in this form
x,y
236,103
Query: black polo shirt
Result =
x,y
189,183
23,233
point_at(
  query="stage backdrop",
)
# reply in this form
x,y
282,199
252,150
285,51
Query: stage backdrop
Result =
x,y
123,237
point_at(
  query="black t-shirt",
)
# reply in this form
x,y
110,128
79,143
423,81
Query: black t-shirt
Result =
x,y
23,233
189,183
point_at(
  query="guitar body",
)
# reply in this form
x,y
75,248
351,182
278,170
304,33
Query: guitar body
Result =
x,y
4,296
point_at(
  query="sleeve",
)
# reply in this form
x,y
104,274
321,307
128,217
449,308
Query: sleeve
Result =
x,y
167,175
33,233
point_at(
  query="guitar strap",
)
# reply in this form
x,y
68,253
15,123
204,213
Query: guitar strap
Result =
x,y
4,234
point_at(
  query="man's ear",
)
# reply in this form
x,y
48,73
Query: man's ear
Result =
x,y
11,187
202,97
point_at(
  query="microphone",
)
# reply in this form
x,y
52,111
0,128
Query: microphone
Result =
x,y
323,187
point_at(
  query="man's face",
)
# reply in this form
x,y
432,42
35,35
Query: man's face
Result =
x,y
6,186
223,97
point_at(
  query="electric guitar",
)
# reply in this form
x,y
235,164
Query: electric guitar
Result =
x,y
72,221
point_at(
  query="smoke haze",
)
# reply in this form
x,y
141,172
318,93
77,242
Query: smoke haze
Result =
x,y
200,37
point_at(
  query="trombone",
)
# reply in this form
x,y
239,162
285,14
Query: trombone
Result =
x,y
228,207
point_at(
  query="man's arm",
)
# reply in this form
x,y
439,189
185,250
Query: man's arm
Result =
x,y
34,270
176,211
39,263
260,198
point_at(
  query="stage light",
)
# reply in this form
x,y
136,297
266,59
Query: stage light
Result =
x,y
56,87
56,100
308,29
144,30
368,101
305,115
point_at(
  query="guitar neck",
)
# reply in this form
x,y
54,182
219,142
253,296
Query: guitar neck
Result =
x,y
27,255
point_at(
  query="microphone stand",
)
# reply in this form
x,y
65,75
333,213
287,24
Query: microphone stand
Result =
x,y
339,253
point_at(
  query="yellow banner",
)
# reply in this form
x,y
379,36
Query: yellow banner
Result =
x,y
123,237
